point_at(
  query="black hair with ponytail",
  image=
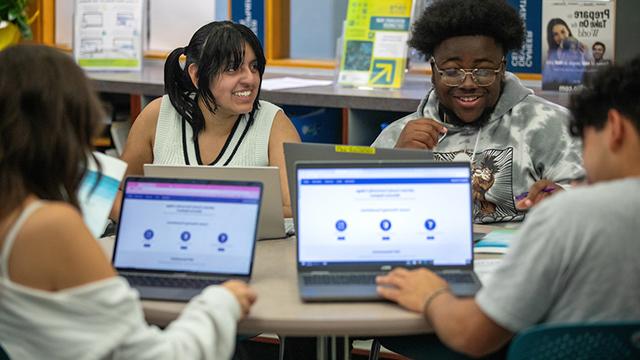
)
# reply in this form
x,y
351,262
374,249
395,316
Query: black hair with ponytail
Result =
x,y
214,48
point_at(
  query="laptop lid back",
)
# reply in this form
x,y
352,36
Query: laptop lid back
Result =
x,y
199,227
295,152
381,214
271,224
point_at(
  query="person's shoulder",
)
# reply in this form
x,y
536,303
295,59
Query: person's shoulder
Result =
x,y
265,105
53,228
147,120
53,214
537,112
152,110
539,103
56,243
53,221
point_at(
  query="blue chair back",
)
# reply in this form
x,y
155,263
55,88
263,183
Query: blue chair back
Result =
x,y
620,340
3,354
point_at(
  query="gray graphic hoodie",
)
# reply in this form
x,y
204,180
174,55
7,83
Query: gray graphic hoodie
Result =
x,y
525,139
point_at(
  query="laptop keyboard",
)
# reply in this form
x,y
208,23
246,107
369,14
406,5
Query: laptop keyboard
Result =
x,y
169,282
340,279
458,278
370,279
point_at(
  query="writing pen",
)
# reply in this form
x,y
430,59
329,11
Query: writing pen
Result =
x,y
524,194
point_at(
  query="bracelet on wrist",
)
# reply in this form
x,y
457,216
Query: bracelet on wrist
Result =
x,y
432,297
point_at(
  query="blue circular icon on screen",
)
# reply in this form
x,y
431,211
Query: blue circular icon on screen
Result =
x,y
222,238
430,224
385,225
148,234
341,225
185,236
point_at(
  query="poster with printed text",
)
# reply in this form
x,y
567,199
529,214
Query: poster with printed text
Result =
x,y
579,39
526,60
107,34
374,50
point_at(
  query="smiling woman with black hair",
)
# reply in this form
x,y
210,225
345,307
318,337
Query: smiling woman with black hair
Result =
x,y
212,114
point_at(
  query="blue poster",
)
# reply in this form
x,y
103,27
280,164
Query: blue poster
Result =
x,y
251,14
528,58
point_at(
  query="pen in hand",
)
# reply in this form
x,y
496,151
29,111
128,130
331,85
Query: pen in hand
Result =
x,y
526,193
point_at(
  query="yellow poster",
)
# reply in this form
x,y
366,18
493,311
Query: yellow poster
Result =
x,y
374,51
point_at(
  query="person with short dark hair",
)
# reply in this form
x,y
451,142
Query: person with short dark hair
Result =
x,y
575,257
518,144
212,114
597,50
59,295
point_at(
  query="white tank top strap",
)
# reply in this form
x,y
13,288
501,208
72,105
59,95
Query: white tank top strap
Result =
x,y
12,234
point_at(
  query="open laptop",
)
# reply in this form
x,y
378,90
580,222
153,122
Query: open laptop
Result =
x,y
177,236
357,220
294,152
271,224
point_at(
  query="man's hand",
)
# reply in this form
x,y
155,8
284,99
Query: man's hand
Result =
x,y
539,191
420,134
409,288
243,293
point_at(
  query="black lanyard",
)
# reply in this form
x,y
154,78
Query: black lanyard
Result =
x,y
224,147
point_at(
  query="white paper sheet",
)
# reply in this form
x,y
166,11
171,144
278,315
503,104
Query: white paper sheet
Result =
x,y
173,23
291,82
96,205
484,268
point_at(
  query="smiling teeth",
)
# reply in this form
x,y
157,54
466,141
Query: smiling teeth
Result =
x,y
469,98
242,93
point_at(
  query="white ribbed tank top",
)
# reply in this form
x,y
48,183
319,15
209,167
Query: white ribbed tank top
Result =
x,y
169,147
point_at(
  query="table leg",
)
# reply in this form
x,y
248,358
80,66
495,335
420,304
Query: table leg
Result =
x,y
321,348
334,354
281,347
346,348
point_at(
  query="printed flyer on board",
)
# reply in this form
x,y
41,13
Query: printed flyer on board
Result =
x,y
579,39
107,34
374,51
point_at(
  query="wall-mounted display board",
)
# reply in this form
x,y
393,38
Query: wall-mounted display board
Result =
x,y
374,51
107,34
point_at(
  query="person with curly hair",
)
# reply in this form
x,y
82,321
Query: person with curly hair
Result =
x,y
578,267
477,111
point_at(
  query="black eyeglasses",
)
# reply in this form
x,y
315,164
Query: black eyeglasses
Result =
x,y
455,77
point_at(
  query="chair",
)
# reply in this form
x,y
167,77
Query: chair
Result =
x,y
611,340
3,354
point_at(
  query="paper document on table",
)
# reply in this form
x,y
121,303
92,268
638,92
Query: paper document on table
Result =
x,y
495,242
96,200
485,268
291,82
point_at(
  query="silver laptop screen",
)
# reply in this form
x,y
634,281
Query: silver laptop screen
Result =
x,y
396,215
190,227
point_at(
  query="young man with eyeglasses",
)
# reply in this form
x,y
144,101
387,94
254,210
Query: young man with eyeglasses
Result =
x,y
575,259
476,111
